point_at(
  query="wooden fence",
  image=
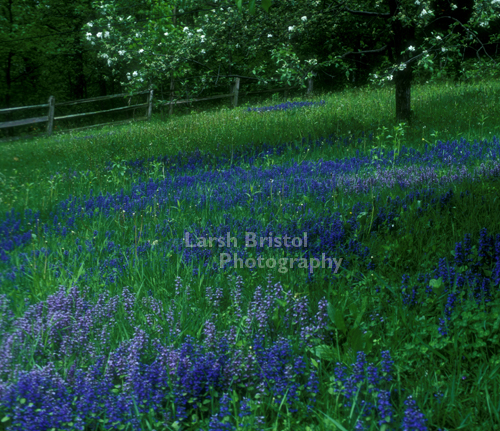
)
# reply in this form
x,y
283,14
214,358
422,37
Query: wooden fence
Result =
x,y
51,105
235,93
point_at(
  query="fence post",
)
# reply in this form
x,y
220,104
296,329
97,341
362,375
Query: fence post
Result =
x,y
171,107
150,103
236,88
50,122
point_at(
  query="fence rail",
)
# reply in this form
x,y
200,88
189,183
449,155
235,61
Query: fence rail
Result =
x,y
51,105
235,93
23,107
97,99
23,122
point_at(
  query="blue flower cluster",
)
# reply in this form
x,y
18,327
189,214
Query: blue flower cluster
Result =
x,y
230,189
286,106
366,393
123,384
472,277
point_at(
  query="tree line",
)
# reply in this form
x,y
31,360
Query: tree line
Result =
x,y
88,48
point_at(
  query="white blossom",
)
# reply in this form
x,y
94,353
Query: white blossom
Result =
x,y
202,51
454,6
166,33
411,48
106,34
88,35
424,12
199,30
438,37
99,35
292,27
375,76
402,66
90,24
269,35
202,38
137,35
141,51
185,29
304,18
417,2
443,49
121,52
135,73
389,78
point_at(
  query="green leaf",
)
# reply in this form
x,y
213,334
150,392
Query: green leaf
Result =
x,y
239,4
356,339
367,343
266,4
325,352
251,8
354,310
360,313
436,283
337,318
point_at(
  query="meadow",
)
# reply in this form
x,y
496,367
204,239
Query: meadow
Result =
x,y
111,320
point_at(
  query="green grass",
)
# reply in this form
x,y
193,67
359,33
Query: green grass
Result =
x,y
442,111
33,175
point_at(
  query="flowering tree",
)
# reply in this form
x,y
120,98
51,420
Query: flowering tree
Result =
x,y
408,34
288,42
209,40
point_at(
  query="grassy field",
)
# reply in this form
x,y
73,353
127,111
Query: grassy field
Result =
x,y
112,318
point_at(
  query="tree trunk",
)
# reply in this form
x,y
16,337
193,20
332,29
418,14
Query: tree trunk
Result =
x,y
402,80
403,38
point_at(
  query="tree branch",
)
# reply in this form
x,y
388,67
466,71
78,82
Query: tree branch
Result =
x,y
471,33
360,12
373,51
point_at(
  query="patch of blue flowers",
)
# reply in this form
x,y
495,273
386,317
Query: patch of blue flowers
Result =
x,y
286,106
